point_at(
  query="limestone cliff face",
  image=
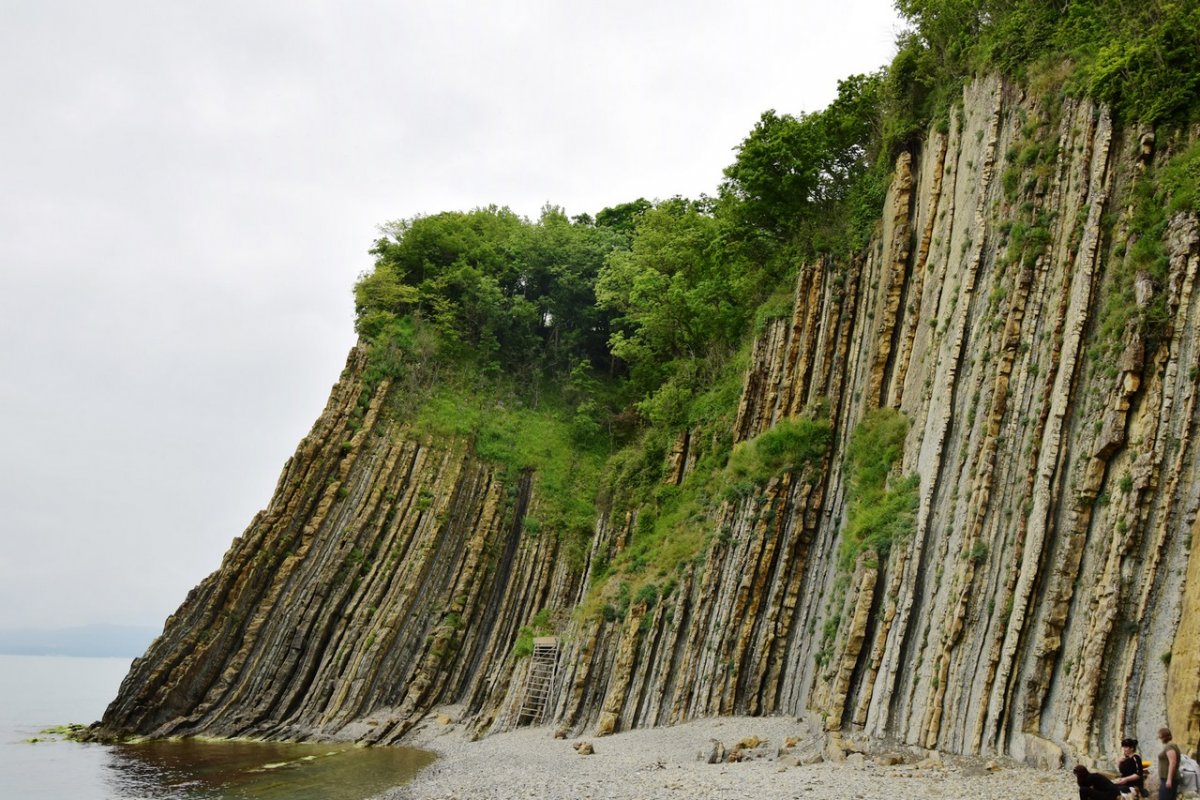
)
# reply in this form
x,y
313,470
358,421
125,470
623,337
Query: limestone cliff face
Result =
x,y
384,576
1046,602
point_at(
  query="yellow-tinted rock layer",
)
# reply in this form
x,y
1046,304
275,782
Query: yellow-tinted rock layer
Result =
x,y
1044,605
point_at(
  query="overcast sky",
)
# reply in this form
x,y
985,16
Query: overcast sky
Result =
x,y
188,191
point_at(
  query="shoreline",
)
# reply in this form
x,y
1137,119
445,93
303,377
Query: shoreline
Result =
x,y
789,760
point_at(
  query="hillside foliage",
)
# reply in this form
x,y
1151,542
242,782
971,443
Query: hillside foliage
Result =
x,y
631,324
1140,58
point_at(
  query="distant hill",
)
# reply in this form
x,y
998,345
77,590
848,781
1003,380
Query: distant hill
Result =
x,y
83,640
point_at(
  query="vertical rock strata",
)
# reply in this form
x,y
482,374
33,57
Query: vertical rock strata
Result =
x,y
1037,609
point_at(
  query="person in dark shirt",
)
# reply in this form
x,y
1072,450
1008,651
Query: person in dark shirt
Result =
x,y
1094,786
1132,780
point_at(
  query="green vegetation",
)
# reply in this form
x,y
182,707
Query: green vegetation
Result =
x,y
677,524
881,514
789,446
72,731
549,440
1157,196
673,292
1179,180
813,183
978,553
581,349
490,289
1141,59
542,624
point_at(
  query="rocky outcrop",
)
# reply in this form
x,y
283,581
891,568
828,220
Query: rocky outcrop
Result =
x,y
386,575
1037,609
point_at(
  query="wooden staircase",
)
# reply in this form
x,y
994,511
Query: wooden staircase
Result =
x,y
539,682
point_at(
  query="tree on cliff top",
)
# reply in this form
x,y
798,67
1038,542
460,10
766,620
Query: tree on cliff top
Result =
x,y
794,175
1143,59
496,290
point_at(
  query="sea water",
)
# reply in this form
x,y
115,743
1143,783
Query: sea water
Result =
x,y
40,692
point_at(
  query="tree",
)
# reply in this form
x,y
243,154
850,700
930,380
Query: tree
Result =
x,y
673,293
791,172
497,289
624,216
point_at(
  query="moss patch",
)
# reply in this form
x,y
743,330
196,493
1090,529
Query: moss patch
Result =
x,y
882,512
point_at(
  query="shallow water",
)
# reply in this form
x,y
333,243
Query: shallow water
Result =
x,y
38,692
257,770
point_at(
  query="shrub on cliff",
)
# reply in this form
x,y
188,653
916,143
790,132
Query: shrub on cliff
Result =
x,y
882,507
789,446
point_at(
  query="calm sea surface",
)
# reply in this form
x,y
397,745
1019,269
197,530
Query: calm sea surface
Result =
x,y
37,692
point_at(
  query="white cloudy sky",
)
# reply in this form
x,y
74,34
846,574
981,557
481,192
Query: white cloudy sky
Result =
x,y
188,191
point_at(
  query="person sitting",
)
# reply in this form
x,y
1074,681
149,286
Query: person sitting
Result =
x,y
1132,779
1094,786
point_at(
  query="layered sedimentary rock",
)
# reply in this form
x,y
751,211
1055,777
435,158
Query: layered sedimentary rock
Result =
x,y
1040,606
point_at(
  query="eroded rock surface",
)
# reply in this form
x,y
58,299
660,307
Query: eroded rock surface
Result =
x,y
1030,614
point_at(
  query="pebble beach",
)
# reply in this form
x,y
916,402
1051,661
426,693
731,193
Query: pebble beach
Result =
x,y
786,759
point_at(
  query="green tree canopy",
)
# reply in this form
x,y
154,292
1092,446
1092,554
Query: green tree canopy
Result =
x,y
675,292
495,288
794,173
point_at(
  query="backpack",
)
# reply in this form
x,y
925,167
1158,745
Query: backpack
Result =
x,y
1188,773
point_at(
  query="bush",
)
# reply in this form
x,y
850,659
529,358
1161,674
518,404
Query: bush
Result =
x,y
790,445
880,515
541,625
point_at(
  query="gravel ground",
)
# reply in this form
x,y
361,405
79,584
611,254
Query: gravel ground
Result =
x,y
671,763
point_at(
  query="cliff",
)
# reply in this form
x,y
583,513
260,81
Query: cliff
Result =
x,y
1036,604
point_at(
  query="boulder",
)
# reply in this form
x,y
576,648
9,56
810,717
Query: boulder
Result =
x,y
836,748
715,754
1043,753
607,723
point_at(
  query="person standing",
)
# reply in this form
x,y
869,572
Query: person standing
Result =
x,y
1168,767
